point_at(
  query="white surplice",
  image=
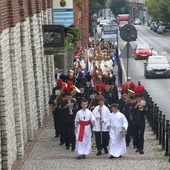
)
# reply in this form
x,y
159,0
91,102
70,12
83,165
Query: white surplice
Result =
x,y
117,121
84,147
105,112
106,65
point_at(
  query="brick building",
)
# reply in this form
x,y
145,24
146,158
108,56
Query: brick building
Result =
x,y
81,19
26,74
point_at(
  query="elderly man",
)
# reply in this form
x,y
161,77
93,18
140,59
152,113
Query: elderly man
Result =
x,y
57,74
70,77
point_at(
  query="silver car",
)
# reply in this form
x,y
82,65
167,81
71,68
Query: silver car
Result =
x,y
160,29
137,21
157,66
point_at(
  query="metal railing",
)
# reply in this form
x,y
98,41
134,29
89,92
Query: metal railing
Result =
x,y
159,124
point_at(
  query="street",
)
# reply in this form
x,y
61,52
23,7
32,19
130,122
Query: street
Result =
x,y
158,88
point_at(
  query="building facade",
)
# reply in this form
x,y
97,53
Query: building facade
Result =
x,y
81,20
137,9
26,74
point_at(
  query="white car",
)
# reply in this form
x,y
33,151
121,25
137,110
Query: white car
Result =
x,y
137,22
157,66
103,22
161,29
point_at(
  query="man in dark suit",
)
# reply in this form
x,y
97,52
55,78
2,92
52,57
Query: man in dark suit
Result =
x,y
79,77
122,102
69,112
60,106
88,89
109,95
140,111
53,102
80,97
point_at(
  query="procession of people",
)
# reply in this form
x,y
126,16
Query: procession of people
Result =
x,y
86,105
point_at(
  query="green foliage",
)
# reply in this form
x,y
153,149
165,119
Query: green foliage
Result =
x,y
119,7
96,5
72,36
152,8
68,42
79,4
164,8
56,37
123,10
159,9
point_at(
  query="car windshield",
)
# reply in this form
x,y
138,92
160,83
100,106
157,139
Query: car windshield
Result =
x,y
142,47
103,21
123,22
158,60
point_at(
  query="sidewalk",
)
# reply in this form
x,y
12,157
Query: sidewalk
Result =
x,y
45,153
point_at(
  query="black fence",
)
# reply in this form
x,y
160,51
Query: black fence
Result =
x,y
159,125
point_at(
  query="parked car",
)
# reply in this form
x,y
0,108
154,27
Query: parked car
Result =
x,y
149,23
137,21
143,51
157,66
161,29
103,22
154,26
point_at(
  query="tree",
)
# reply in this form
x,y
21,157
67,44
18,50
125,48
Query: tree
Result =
x,y
164,10
72,35
96,5
119,7
79,4
153,8
159,9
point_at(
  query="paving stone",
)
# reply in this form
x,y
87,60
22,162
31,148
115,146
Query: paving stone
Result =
x,y
46,153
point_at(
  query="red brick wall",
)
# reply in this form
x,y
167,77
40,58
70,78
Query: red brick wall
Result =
x,y
38,5
4,15
86,22
14,11
23,9
81,19
44,4
31,7
0,20
49,3
78,21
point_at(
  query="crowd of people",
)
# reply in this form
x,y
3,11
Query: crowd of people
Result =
x,y
86,104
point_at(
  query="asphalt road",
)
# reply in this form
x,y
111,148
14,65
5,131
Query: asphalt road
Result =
x,y
158,88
